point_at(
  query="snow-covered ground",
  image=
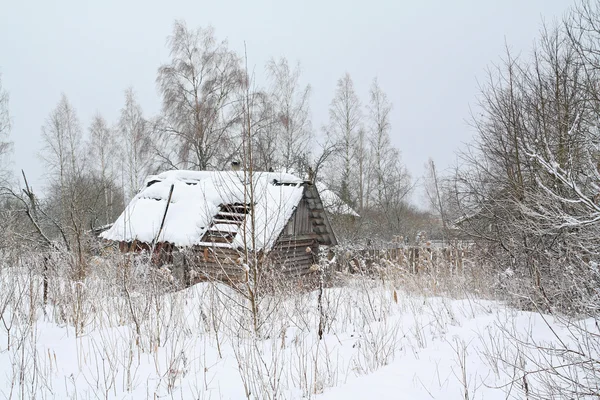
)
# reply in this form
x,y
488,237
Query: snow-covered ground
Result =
x,y
103,339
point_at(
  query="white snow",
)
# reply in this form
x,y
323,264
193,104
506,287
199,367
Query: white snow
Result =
x,y
195,201
198,343
333,203
233,228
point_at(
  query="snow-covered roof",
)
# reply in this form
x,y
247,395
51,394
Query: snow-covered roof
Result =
x,y
197,198
333,203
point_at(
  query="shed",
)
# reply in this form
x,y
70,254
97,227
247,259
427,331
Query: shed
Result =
x,y
218,217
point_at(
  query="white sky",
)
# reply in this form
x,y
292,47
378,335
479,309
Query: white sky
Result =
x,y
426,54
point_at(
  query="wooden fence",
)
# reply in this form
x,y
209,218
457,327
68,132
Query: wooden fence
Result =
x,y
412,258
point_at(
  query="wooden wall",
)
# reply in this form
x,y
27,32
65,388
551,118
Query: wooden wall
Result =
x,y
300,223
294,254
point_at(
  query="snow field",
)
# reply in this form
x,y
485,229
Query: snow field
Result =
x,y
116,337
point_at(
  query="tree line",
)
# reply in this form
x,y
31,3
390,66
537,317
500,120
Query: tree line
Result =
x,y
213,111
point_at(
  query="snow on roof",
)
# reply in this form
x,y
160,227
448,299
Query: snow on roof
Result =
x,y
196,199
333,203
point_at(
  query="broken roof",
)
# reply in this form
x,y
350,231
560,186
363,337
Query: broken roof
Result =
x,y
198,196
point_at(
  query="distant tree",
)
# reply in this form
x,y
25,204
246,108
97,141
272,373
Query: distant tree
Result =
x,y
91,207
104,151
379,127
62,138
5,144
198,88
362,151
291,129
365,169
345,123
388,176
257,134
434,190
6,203
137,144
65,160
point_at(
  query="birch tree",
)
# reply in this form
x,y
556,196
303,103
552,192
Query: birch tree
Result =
x,y
291,129
62,138
257,134
379,118
198,88
104,151
65,161
389,178
345,123
362,151
137,144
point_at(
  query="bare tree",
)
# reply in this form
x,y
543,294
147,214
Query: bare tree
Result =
x,y
263,140
523,184
62,138
137,144
345,123
529,192
434,191
291,113
5,144
65,160
365,169
362,152
198,89
389,178
382,152
103,150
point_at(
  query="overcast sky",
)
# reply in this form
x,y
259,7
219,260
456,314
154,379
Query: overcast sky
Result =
x,y
428,56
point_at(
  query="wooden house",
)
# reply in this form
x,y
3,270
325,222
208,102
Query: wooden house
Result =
x,y
209,222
